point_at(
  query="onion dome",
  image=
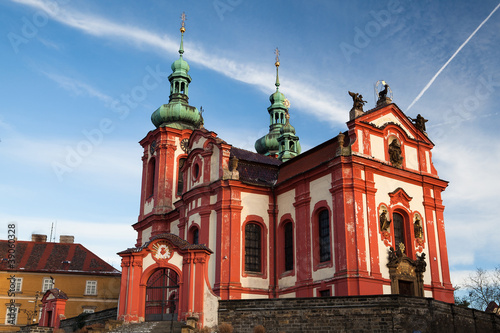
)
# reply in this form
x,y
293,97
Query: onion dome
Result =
x,y
178,113
268,144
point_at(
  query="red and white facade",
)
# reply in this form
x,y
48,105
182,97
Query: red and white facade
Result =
x,y
242,225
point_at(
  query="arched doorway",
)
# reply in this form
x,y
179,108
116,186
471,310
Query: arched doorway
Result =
x,y
162,292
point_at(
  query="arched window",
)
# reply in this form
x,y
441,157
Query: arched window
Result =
x,y
150,187
253,247
399,230
324,236
180,177
196,233
288,228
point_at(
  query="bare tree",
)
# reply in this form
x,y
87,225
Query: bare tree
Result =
x,y
482,287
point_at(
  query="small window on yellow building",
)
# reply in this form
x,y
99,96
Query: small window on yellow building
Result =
x,y
48,283
91,288
19,285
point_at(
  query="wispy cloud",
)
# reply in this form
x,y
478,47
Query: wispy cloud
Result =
x,y
49,43
451,58
77,87
249,73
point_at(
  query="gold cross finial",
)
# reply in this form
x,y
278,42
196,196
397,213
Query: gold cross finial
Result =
x,y
277,52
183,20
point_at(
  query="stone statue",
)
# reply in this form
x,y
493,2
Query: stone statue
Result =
x,y
417,228
395,154
383,93
384,222
357,100
420,263
392,254
420,122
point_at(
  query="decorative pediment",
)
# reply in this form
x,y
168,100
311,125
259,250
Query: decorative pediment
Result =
x,y
202,137
390,115
391,119
400,196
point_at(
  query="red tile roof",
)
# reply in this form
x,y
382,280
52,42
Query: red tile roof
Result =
x,y
54,257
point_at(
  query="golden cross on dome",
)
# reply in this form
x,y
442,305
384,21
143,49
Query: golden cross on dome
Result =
x,y
277,52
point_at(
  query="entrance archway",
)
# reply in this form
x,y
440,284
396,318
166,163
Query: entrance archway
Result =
x,y
162,295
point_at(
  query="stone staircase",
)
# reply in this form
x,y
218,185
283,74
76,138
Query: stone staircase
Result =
x,y
153,327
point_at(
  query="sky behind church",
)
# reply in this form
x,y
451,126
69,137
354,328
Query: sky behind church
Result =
x,y
80,79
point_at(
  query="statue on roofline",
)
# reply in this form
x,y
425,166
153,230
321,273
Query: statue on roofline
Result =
x,y
383,93
357,100
420,122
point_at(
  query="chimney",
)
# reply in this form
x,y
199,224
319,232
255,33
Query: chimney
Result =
x,y
66,239
38,238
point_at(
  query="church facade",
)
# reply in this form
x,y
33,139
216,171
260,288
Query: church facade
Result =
x,y
360,214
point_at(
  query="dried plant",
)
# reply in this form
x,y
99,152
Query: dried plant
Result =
x,y
225,328
259,329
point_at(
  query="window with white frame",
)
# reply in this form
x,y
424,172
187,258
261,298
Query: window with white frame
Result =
x,y
48,283
19,285
91,288
11,315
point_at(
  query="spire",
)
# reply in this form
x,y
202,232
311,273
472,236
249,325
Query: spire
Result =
x,y
277,64
183,29
178,113
269,144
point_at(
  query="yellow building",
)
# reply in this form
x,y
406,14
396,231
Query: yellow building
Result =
x,y
91,284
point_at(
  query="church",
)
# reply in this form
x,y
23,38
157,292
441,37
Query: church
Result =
x,y
360,214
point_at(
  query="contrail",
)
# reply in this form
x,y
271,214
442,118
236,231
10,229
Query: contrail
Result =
x,y
451,58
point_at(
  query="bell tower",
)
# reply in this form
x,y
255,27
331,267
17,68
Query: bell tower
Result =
x,y
165,149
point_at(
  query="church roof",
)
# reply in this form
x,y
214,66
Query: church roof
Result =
x,y
55,258
255,168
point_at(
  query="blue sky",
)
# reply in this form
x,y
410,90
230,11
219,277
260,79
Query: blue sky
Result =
x,y
80,80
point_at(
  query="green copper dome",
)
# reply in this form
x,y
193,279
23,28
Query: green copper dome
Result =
x,y
178,113
281,140
268,144
180,66
277,99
